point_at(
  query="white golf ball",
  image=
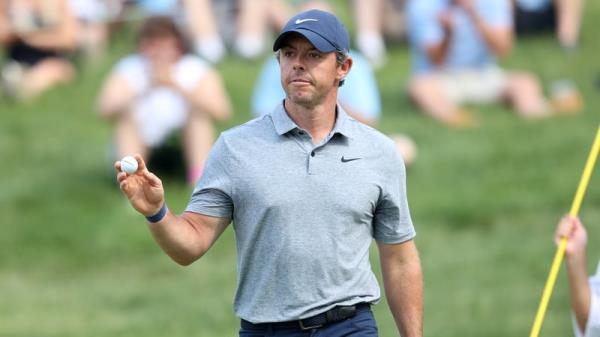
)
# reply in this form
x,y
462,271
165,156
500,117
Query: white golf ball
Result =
x,y
129,165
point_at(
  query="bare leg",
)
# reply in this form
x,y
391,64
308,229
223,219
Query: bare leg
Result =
x,y
251,30
203,25
44,75
568,21
198,139
127,137
525,94
369,16
428,93
278,13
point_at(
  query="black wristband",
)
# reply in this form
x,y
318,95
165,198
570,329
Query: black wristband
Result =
x,y
158,216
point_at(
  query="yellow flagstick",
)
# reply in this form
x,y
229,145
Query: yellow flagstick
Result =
x,y
560,251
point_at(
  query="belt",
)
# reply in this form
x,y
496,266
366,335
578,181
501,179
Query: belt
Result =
x,y
333,315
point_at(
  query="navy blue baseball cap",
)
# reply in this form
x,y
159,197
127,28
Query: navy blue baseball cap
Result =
x,y
322,29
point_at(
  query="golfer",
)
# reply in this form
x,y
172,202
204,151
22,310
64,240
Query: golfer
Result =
x,y
308,189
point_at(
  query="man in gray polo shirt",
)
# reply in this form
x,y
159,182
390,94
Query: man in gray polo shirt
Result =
x,y
308,188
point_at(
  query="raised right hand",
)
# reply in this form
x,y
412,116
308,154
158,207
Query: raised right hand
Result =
x,y
143,189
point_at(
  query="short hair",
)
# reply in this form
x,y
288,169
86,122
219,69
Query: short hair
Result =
x,y
156,27
340,57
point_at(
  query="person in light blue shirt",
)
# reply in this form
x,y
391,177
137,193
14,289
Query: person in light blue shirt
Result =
x,y
455,45
564,16
467,46
359,95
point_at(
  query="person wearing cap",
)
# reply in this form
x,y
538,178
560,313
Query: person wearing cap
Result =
x,y
359,96
308,188
584,291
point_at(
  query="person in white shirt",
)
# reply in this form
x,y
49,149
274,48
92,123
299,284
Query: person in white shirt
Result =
x,y
584,291
161,89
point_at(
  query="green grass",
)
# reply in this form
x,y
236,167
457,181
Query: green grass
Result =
x,y
76,261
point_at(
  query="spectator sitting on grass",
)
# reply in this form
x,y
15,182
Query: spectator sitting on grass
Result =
x,y
38,36
160,89
455,44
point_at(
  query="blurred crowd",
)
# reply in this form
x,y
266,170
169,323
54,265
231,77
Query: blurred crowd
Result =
x,y
169,82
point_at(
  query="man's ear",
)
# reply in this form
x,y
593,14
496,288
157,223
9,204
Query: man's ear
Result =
x,y
344,68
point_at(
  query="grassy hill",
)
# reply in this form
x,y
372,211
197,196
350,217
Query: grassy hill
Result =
x,y
75,260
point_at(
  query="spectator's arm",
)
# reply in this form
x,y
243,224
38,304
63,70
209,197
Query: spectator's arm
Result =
x,y
580,289
403,282
572,229
210,96
62,36
498,38
115,97
438,52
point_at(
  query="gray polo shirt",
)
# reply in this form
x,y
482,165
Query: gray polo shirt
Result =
x,y
304,215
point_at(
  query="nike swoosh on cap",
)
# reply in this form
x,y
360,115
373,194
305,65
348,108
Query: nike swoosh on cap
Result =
x,y
299,21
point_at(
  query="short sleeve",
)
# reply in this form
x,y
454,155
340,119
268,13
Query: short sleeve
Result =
x,y
212,194
497,13
134,69
189,71
425,29
392,223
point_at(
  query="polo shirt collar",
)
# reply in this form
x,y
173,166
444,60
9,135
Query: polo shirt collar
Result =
x,y
284,124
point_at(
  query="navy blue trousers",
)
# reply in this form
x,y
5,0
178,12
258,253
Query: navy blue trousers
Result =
x,y
361,325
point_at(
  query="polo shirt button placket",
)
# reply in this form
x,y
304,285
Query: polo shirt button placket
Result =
x,y
311,162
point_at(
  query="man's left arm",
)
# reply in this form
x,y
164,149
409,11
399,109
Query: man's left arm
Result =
x,y
403,283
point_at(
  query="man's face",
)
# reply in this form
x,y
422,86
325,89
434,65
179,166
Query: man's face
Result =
x,y
307,75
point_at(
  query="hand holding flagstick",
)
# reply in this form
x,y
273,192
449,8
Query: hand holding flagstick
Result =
x,y
560,252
